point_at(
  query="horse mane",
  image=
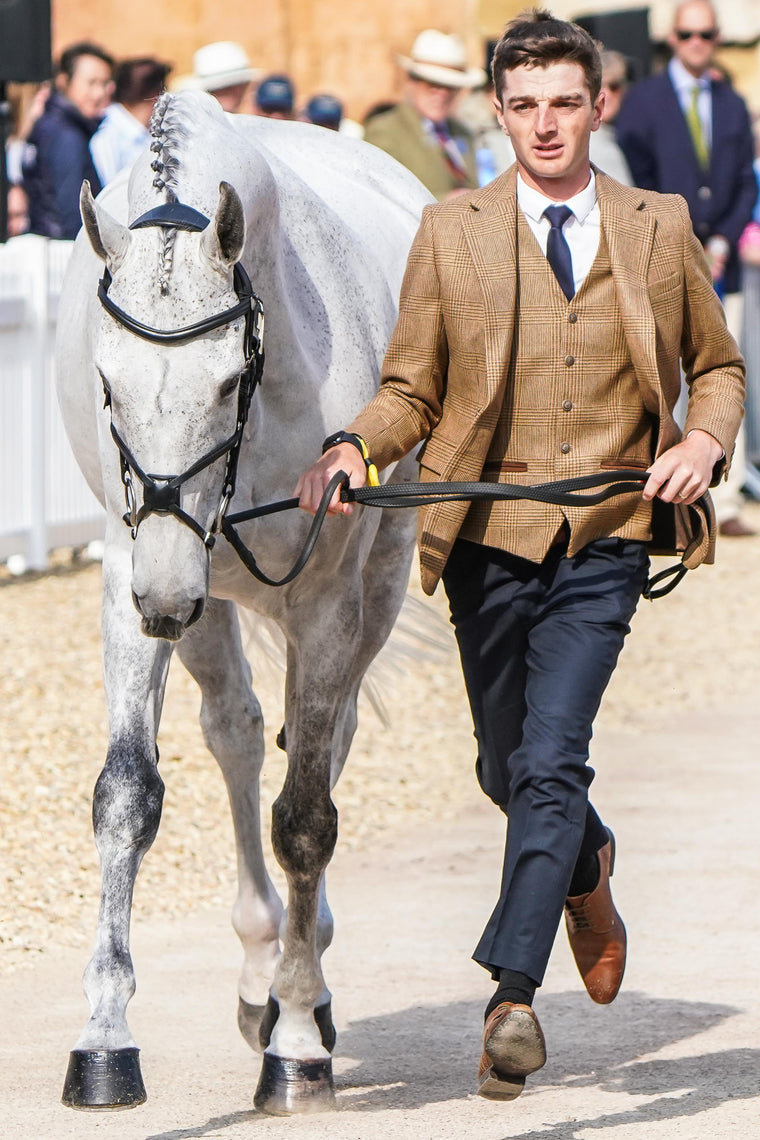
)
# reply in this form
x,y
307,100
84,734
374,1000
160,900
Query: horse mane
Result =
x,y
167,134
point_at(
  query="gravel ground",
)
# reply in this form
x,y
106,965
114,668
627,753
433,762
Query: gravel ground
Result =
x,y
696,649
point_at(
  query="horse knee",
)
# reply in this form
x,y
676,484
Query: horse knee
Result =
x,y
128,797
304,834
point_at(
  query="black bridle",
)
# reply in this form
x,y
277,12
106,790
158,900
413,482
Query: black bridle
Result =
x,y
161,493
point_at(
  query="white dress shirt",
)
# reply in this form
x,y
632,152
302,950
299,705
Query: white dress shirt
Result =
x,y
581,230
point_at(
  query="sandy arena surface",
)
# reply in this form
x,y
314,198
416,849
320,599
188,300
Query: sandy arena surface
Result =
x,y
411,885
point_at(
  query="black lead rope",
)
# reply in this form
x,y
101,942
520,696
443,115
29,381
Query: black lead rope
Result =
x,y
563,493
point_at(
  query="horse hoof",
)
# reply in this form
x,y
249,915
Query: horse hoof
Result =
x,y
104,1078
289,1088
251,1019
268,1019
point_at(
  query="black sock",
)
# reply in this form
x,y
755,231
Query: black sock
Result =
x,y
585,877
513,986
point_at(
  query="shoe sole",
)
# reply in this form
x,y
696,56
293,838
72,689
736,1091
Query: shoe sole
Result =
x,y
515,1049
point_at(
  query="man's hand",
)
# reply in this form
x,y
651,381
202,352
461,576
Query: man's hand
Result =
x,y
311,486
683,473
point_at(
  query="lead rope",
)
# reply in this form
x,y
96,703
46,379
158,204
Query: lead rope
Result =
x,y
563,493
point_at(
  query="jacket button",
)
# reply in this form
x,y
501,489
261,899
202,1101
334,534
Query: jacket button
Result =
x,y
572,317
567,405
569,361
564,448
705,193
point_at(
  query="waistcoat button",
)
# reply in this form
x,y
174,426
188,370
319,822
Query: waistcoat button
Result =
x,y
572,317
569,361
564,448
567,405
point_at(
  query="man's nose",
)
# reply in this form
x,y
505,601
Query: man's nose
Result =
x,y
546,120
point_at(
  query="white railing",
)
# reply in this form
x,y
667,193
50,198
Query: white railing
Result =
x,y
45,502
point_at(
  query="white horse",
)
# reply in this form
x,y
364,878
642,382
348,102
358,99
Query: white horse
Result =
x,y
157,418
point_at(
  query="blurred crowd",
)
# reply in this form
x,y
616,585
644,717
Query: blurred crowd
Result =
x,y
681,130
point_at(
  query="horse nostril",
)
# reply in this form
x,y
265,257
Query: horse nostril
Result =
x,y
136,603
198,609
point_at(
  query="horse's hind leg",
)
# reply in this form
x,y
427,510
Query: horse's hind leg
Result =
x,y
104,1070
232,726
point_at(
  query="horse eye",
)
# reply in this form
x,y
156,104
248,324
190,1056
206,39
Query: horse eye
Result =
x,y
228,387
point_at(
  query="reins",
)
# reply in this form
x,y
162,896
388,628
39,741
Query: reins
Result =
x,y
562,493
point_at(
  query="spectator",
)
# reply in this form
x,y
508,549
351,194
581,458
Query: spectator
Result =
x,y
124,133
224,70
58,158
604,149
421,132
684,132
275,98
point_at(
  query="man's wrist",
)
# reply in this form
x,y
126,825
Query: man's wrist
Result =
x,y
717,451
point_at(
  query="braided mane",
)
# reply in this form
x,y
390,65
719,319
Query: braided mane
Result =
x,y
167,135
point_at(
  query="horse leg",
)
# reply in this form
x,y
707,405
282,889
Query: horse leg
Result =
x,y
232,725
104,1069
296,1074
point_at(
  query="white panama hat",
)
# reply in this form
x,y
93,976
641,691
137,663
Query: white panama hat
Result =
x,y
222,64
442,60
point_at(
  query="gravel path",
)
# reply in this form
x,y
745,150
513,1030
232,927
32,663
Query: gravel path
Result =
x,y
696,649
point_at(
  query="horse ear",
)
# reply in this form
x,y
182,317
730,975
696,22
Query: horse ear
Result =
x,y
108,237
224,239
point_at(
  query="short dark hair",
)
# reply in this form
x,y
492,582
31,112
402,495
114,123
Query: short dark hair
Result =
x,y
537,39
70,57
139,79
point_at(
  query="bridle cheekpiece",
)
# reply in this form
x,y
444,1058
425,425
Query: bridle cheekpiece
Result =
x,y
161,493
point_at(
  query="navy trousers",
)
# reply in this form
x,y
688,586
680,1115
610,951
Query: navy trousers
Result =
x,y
538,645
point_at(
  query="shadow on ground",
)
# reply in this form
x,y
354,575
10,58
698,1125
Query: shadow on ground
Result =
x,y
428,1054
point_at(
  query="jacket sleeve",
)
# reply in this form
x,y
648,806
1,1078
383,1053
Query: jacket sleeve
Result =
x,y
635,139
413,379
713,365
69,160
744,189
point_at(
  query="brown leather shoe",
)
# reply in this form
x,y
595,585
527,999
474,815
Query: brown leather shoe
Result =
x,y
596,933
735,528
513,1047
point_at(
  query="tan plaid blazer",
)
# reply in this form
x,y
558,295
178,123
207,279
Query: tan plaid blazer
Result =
x,y
445,371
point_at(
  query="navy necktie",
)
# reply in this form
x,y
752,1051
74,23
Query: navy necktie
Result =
x,y
557,249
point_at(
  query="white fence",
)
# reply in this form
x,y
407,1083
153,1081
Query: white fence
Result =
x,y
44,500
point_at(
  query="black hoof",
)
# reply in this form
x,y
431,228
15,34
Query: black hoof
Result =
x,y
289,1088
104,1078
322,1016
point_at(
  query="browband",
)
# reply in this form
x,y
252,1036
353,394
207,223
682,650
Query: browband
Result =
x,y
175,214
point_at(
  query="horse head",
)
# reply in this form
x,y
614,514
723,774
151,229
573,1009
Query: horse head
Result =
x,y
171,346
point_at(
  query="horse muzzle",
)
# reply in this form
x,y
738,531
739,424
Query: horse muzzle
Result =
x,y
167,626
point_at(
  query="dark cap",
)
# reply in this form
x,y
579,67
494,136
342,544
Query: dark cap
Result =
x,y
275,93
324,111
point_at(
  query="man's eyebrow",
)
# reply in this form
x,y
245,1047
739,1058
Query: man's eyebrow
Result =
x,y
563,98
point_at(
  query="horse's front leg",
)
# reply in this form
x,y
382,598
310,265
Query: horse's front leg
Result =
x,y
233,729
104,1070
296,1074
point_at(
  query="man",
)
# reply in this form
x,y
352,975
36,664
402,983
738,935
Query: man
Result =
x,y
57,158
421,132
685,132
224,70
604,149
540,328
124,133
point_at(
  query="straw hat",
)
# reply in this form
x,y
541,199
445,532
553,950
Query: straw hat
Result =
x,y
218,65
442,60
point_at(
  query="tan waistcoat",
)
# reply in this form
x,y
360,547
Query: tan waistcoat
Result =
x,y
569,361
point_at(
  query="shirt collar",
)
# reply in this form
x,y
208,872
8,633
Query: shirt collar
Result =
x,y
533,202
683,80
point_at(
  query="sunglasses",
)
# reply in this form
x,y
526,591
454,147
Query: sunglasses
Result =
x,y
708,35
